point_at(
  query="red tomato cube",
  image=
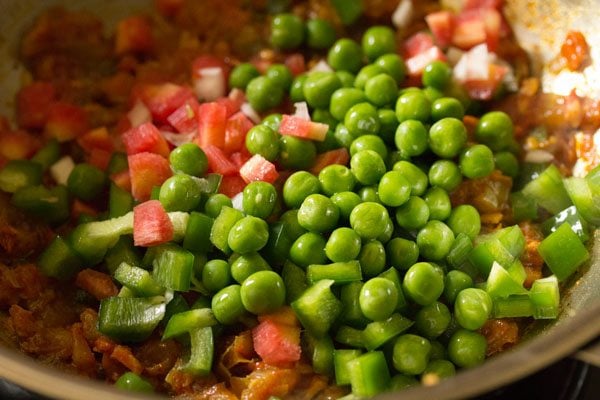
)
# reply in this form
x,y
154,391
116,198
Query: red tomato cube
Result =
x,y
146,171
66,121
277,343
145,138
302,128
151,224
33,103
258,168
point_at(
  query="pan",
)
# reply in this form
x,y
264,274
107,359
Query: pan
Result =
x,y
540,26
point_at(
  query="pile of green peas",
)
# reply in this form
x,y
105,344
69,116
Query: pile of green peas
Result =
x,y
390,208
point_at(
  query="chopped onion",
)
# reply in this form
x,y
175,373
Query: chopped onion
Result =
x,y
321,66
538,156
139,114
473,65
237,201
210,85
177,139
403,14
249,112
61,170
302,110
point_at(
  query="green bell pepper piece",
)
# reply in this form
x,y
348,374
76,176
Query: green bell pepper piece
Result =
x,y
501,284
548,190
202,352
17,174
173,267
138,280
130,319
369,374
59,260
220,229
197,234
563,252
318,308
545,296
120,201
339,272
517,305
341,358
570,216
188,321
377,333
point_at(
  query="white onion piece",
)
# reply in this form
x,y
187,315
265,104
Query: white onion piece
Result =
x,y
478,67
403,14
139,114
177,139
321,66
302,110
249,112
61,170
538,156
237,201
210,85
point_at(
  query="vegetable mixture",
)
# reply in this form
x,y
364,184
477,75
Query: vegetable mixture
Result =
x,y
288,199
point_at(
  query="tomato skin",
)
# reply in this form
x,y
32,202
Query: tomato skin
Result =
x,y
185,117
218,162
65,121
417,44
18,144
441,24
574,50
302,128
277,343
146,171
212,123
151,224
236,129
145,138
33,102
134,35
258,168
231,185
162,99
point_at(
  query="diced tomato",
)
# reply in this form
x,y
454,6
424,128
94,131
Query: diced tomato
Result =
x,y
33,102
218,161
169,8
258,168
18,145
134,35
574,50
99,158
212,123
485,89
239,158
122,179
147,170
296,63
163,99
336,156
302,128
416,64
123,124
66,121
79,208
145,138
479,4
231,185
441,24
492,20
476,26
151,224
417,44
185,118
236,129
98,138
277,343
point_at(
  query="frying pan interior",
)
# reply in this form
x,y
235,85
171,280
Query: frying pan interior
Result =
x,y
540,26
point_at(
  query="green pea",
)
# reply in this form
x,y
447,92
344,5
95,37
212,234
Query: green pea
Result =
x,y
413,105
287,31
345,201
472,308
465,219
308,249
435,240
367,166
362,119
216,275
273,121
296,153
445,174
377,41
477,161
345,55
180,193
298,186
438,201
432,93
400,382
263,292
413,214
378,298
134,383
495,130
433,319
343,136
336,178
367,72
389,125
369,142
347,78
423,283
447,107
372,258
411,354
438,350
320,34
369,220
507,163
402,253
242,74
343,245
86,181
467,349
393,65
290,220
317,213
280,74
394,189
454,282
263,93
248,234
437,74
369,193
318,88
189,158
381,90
245,265
323,116
259,199
411,138
343,99
215,203
437,370
447,137
227,305
414,175
297,88
387,233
